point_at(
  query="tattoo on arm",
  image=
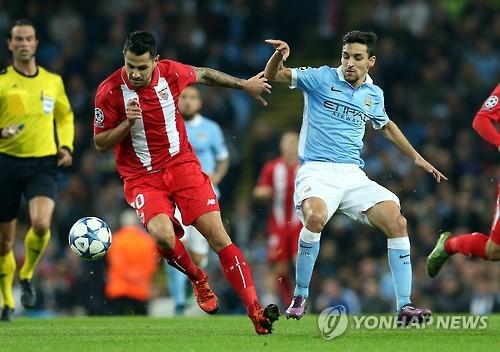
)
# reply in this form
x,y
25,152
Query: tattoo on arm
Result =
x,y
211,77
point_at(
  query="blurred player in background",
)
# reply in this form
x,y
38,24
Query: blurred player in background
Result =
x,y
276,183
37,131
136,113
132,263
475,244
207,140
338,101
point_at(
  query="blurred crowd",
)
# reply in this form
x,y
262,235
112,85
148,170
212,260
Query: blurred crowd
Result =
x,y
436,61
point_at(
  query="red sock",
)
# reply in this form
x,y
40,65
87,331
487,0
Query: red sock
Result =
x,y
471,244
237,272
180,259
284,289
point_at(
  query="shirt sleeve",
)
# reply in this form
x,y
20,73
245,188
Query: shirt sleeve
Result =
x,y
380,117
105,112
266,176
218,143
486,117
63,114
185,74
307,78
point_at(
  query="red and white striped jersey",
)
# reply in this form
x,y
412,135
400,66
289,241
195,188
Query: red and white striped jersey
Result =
x,y
160,137
281,178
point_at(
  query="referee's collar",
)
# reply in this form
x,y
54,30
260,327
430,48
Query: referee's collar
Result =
x,y
368,79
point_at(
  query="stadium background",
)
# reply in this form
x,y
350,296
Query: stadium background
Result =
x,y
436,61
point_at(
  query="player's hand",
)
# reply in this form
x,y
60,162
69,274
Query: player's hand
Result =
x,y
10,131
256,86
424,164
133,111
64,157
281,46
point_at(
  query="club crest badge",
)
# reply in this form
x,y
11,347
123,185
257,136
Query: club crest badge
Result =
x,y
163,94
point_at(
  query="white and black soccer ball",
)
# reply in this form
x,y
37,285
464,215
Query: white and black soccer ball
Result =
x,y
90,238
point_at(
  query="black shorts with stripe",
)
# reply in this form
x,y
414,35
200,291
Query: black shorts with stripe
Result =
x,y
28,177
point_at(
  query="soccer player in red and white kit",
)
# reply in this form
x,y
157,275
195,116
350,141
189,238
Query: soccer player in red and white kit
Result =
x,y
136,114
276,183
475,244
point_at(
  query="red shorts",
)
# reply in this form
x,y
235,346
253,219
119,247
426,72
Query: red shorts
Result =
x,y
183,184
495,227
283,244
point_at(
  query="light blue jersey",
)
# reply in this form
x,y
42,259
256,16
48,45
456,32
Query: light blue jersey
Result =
x,y
335,114
208,142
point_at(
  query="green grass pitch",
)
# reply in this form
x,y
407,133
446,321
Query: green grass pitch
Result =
x,y
227,333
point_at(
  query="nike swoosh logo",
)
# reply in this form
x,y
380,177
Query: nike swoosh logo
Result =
x,y
335,90
3,275
403,256
34,251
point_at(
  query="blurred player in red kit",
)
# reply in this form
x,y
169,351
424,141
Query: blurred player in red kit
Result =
x,y
475,244
136,113
276,183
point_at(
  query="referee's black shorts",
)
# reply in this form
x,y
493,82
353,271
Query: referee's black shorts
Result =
x,y
28,177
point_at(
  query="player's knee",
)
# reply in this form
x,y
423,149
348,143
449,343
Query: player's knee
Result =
x,y
397,226
315,221
40,226
492,252
6,245
163,234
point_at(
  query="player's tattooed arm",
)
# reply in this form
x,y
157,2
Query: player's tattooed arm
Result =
x,y
211,77
254,86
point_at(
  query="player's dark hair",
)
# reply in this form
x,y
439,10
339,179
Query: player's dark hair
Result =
x,y
139,43
20,22
367,38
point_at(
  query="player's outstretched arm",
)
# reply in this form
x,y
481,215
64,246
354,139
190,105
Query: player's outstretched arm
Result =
x,y
392,132
275,71
254,86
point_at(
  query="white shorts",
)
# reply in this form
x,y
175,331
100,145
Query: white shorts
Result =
x,y
192,239
343,187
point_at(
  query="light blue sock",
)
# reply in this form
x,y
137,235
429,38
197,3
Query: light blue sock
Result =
x,y
398,252
177,285
306,257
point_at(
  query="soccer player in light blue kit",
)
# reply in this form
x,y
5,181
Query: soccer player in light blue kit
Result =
x,y
338,102
208,143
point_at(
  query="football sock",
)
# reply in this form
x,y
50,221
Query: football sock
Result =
x,y
177,285
180,259
398,252
7,270
237,272
471,244
34,245
306,257
284,289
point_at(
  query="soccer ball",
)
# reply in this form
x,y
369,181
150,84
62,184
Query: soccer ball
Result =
x,y
90,238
